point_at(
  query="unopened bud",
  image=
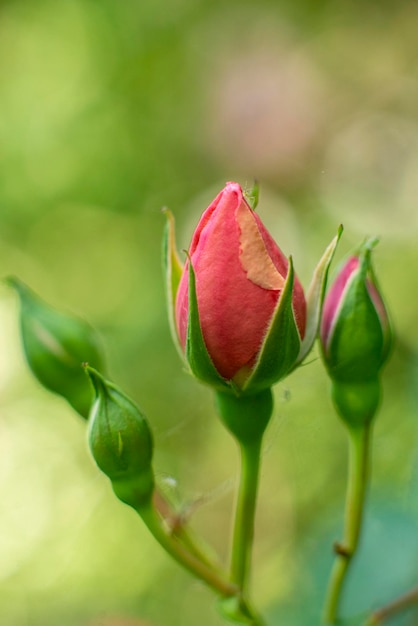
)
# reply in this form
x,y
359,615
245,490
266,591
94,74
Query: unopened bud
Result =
x,y
121,442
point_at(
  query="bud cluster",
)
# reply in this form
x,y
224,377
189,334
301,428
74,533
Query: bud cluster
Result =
x,y
241,322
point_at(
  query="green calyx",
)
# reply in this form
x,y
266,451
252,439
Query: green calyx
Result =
x,y
197,356
246,416
173,269
55,345
121,441
315,298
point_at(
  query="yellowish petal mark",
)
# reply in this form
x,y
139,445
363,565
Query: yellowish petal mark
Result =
x,y
254,258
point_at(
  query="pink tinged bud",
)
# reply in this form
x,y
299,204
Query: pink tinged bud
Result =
x,y
335,298
355,330
381,313
240,274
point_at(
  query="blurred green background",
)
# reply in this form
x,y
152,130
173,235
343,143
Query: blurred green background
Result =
x,y
110,110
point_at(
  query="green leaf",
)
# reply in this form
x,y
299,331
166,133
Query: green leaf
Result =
x,y
315,297
173,271
281,344
200,363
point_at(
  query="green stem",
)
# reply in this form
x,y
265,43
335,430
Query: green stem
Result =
x,y
182,548
178,529
246,417
245,513
188,560
359,448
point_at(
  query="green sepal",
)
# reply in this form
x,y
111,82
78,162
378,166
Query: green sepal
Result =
x,y
197,356
121,441
357,347
245,416
365,259
55,346
315,298
252,195
281,344
173,269
356,403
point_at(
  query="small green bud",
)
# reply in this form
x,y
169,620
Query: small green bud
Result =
x,y
355,329
355,338
55,345
121,442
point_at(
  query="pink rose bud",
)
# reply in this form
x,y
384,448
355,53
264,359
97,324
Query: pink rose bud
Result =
x,y
240,274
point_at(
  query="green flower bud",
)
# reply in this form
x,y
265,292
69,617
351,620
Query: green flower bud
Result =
x,y
55,345
355,329
355,338
121,442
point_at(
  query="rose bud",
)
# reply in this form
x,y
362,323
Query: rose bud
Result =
x,y
55,345
355,336
121,442
238,310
